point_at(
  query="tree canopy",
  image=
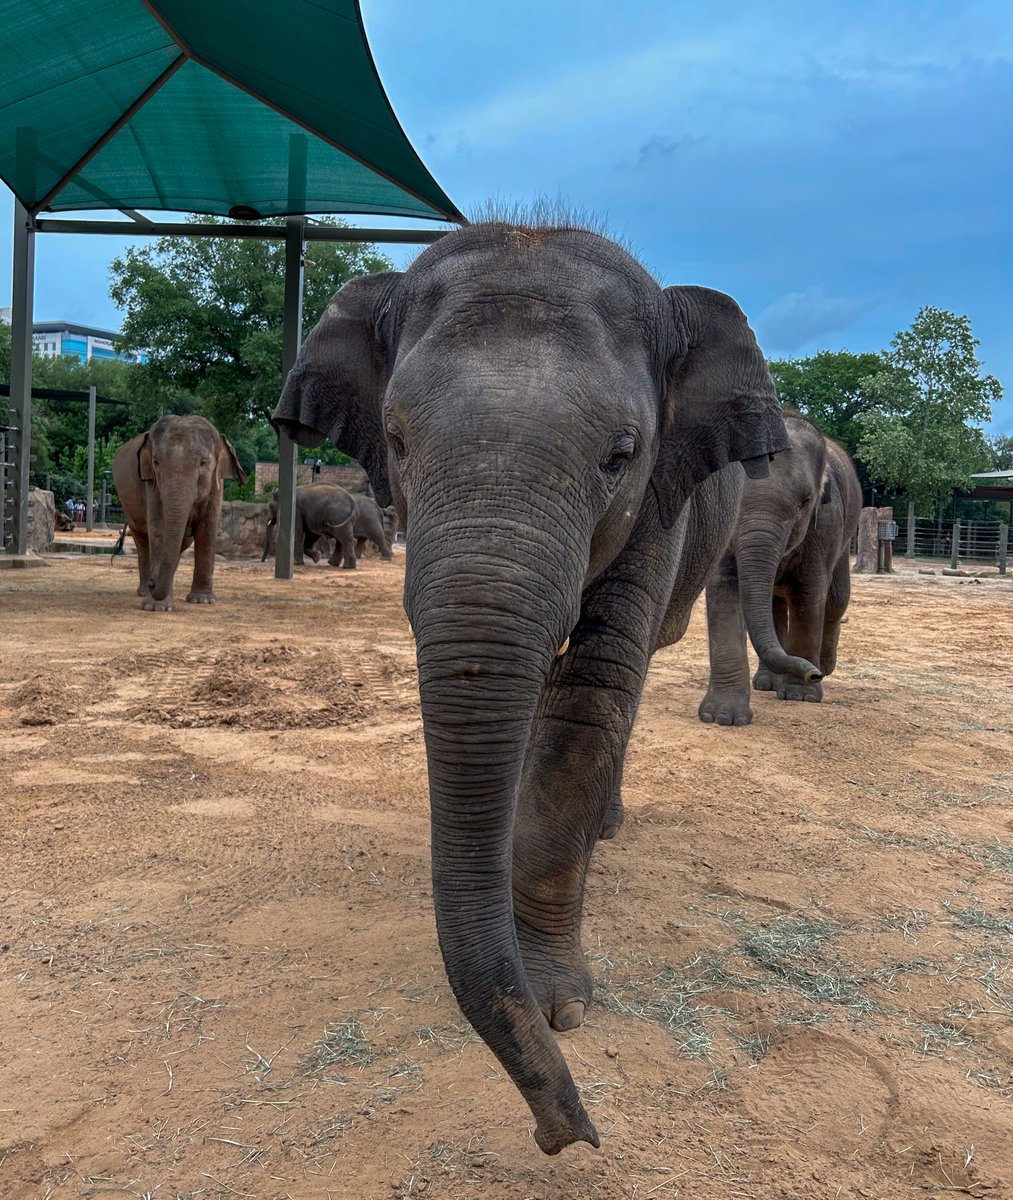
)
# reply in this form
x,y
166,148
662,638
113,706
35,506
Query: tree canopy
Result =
x,y
208,311
924,438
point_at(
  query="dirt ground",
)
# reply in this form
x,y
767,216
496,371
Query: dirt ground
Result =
x,y
218,965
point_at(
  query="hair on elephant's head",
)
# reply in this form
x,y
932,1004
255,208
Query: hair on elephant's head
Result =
x,y
525,395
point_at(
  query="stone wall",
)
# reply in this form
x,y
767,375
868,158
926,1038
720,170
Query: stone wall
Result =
x,y
41,520
353,478
241,529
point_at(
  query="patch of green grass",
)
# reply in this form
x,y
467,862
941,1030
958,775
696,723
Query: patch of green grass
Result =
x,y
978,918
345,1045
665,997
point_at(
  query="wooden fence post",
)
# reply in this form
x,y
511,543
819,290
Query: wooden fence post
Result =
x,y
955,546
1003,540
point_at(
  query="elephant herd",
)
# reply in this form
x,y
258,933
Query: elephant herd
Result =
x,y
575,454
169,480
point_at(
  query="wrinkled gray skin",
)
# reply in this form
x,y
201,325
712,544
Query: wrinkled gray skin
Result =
x,y
326,510
169,481
787,575
541,411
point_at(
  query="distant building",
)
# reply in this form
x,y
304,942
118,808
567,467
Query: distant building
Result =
x,y
56,339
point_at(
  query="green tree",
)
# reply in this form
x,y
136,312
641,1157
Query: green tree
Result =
x,y
1001,447
923,439
830,388
208,311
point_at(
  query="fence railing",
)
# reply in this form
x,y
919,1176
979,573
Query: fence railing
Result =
x,y
980,541
7,432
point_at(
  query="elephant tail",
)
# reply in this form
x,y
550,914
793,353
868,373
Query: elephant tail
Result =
x,y
118,548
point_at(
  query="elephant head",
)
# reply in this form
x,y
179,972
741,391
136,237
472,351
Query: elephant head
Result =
x,y
522,394
777,513
183,460
270,534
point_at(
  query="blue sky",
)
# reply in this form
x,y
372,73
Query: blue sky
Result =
x,y
834,167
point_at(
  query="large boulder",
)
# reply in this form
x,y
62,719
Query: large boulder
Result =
x,y
41,519
241,530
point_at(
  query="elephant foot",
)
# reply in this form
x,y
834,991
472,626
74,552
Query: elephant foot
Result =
x,y
725,708
795,689
350,564
615,814
201,598
143,591
315,555
153,605
559,977
764,680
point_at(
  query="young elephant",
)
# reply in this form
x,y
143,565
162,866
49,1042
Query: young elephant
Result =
x,y
562,438
169,481
325,510
788,572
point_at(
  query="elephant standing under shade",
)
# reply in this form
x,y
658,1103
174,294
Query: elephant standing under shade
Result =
x,y
169,481
325,510
786,577
562,438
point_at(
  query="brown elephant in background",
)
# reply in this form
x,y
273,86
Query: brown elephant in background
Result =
x,y
169,480
785,578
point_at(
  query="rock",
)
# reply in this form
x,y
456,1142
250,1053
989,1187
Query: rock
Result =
x,y
242,529
41,520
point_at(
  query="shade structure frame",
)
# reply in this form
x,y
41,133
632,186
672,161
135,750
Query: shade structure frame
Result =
x,y
191,113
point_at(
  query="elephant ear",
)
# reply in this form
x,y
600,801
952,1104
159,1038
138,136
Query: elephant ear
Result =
x,y
145,467
228,462
720,403
335,390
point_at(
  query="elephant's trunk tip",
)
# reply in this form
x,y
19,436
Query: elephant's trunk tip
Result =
x,y
813,676
565,1130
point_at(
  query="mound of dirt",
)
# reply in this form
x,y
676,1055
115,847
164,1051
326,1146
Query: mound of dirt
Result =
x,y
275,687
42,700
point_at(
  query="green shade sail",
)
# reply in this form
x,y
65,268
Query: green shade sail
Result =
x,y
234,107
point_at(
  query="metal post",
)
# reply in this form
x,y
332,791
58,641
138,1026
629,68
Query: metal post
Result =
x,y
1003,543
90,500
22,301
955,546
285,548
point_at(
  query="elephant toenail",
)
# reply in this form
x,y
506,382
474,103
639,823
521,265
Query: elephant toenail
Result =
x,y
569,1016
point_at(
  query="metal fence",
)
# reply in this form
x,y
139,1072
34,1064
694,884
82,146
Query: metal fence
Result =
x,y
979,541
7,432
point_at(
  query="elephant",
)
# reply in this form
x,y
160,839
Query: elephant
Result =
x,y
169,480
325,510
562,438
787,570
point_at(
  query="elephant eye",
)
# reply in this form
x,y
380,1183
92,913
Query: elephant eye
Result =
x,y
396,442
619,456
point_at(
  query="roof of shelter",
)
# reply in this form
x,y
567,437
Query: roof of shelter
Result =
x,y
239,108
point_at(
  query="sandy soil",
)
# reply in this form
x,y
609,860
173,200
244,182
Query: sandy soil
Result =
x,y
218,965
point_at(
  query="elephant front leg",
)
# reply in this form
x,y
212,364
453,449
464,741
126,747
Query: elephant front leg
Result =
x,y
569,794
837,606
727,698
806,608
143,564
205,530
766,680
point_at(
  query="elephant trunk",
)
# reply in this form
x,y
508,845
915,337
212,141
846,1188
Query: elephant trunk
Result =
x,y
486,634
175,515
757,556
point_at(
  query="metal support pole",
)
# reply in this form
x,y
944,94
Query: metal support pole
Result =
x,y
955,546
1003,545
90,500
285,548
22,301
